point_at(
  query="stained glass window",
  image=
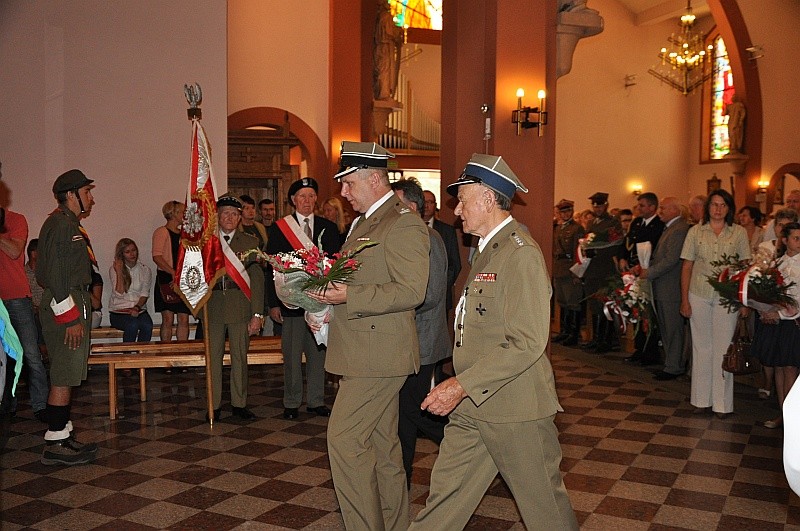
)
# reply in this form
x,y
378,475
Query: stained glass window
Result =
x,y
425,14
722,91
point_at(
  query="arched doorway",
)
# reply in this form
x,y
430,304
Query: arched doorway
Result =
x,y
267,147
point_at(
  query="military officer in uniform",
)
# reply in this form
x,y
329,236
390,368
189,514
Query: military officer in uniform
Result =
x,y
64,269
601,267
232,309
502,401
568,287
373,342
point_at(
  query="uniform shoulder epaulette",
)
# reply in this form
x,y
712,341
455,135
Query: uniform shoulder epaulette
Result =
x,y
520,238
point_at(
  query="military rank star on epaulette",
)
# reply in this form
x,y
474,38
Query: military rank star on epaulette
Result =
x,y
404,210
518,239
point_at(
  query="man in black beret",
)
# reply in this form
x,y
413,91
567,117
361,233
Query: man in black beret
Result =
x,y
302,229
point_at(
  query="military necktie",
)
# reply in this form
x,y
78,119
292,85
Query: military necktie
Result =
x,y
307,228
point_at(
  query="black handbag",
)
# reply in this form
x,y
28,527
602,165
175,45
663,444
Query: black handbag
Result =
x,y
738,359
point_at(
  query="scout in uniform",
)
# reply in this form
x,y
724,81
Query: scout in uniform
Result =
x,y
502,401
64,269
568,287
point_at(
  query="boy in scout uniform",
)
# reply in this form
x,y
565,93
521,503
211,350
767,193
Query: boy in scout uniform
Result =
x,y
373,342
64,269
503,401
568,288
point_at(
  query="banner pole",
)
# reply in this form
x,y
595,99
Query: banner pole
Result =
x,y
207,349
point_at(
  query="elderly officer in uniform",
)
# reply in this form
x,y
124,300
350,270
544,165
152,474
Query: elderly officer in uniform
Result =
x,y
229,308
64,269
295,231
503,398
568,288
373,342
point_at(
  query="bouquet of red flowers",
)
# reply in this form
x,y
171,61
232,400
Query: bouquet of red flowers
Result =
x,y
626,300
299,271
756,283
591,242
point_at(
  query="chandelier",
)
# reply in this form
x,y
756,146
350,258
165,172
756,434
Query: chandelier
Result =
x,y
686,64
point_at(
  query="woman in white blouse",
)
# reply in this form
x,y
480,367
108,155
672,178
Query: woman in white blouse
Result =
x,y
131,282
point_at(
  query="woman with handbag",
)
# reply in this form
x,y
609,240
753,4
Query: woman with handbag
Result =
x,y
777,342
711,323
166,240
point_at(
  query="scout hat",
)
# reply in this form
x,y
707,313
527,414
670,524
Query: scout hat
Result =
x,y
565,204
70,180
359,155
491,171
230,200
599,198
305,182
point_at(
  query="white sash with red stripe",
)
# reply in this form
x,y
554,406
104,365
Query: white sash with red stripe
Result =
x,y
293,233
234,267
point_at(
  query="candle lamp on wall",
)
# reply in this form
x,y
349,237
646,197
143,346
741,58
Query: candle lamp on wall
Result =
x,y
761,194
521,116
636,189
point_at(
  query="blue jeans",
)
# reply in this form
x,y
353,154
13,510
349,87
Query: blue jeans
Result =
x,y
138,328
20,311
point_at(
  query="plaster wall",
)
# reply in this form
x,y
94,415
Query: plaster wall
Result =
x,y
94,86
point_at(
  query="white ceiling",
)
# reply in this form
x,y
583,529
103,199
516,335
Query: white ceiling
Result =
x,y
654,11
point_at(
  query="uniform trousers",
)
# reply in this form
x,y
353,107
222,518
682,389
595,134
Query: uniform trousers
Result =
x,y
671,326
712,331
365,456
297,339
240,342
527,455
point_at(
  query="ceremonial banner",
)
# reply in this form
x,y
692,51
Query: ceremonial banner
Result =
x,y
200,258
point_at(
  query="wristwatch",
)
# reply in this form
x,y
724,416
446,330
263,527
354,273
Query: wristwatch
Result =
x,y
260,317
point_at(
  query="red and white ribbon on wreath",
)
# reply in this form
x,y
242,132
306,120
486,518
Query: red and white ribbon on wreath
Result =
x,y
580,257
611,308
744,282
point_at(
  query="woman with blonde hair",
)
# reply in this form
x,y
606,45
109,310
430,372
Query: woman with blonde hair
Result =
x,y
131,281
166,240
332,210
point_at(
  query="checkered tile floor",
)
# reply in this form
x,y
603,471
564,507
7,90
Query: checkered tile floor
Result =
x,y
634,458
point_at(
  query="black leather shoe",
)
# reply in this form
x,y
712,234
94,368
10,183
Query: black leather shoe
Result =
x,y
322,411
649,361
636,358
290,413
560,337
216,414
662,376
242,413
602,348
571,341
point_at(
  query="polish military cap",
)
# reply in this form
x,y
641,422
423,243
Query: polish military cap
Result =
x,y
70,180
491,171
360,155
230,200
599,198
565,204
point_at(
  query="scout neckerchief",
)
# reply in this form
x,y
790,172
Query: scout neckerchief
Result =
x,y
92,258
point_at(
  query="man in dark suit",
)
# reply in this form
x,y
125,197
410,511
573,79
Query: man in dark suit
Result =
x,y
295,231
665,275
434,341
600,267
232,309
647,227
373,342
448,234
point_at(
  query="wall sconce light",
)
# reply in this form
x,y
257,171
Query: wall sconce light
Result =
x,y
521,116
636,189
761,192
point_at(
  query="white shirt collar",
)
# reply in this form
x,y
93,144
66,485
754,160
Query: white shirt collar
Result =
x,y
648,220
430,221
377,204
228,234
670,222
483,241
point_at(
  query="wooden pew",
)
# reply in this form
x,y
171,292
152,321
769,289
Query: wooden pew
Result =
x,y
262,351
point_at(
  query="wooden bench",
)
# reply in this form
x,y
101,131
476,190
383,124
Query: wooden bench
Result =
x,y
262,351
109,332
